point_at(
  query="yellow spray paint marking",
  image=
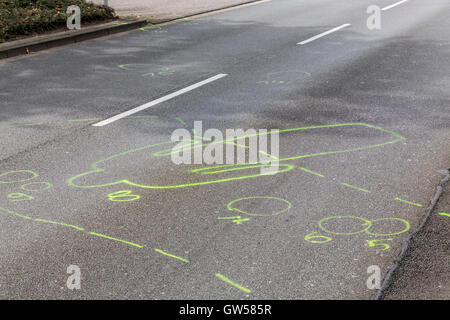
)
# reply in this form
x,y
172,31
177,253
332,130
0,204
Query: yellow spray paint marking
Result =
x,y
68,226
59,223
115,239
14,197
123,196
262,152
236,219
409,202
312,172
223,278
231,206
372,243
95,168
320,239
353,187
166,72
171,255
444,214
365,226
16,214
196,138
227,169
153,27
181,121
12,173
32,186
405,229
125,66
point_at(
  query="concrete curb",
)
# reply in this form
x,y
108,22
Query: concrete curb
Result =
x,y
22,47
433,203
43,42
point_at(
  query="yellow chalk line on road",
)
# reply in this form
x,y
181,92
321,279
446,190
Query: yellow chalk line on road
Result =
x,y
69,226
358,188
223,278
183,123
90,233
115,239
171,255
409,202
312,172
354,187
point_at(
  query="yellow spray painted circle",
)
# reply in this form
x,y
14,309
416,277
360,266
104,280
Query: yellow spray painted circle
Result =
x,y
31,173
231,208
367,224
29,186
407,227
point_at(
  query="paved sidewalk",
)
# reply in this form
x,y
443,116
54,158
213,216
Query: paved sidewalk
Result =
x,y
165,9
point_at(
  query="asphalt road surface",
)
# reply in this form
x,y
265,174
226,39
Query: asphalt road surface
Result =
x,y
373,112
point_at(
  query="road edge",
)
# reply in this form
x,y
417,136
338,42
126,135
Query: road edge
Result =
x,y
433,203
44,42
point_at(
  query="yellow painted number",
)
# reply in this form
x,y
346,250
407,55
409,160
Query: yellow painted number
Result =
x,y
123,196
372,243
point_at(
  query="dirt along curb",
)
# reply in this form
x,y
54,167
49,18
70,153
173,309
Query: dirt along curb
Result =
x,y
48,41
422,269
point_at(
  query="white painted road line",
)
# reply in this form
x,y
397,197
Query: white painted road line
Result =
x,y
394,5
159,100
324,34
